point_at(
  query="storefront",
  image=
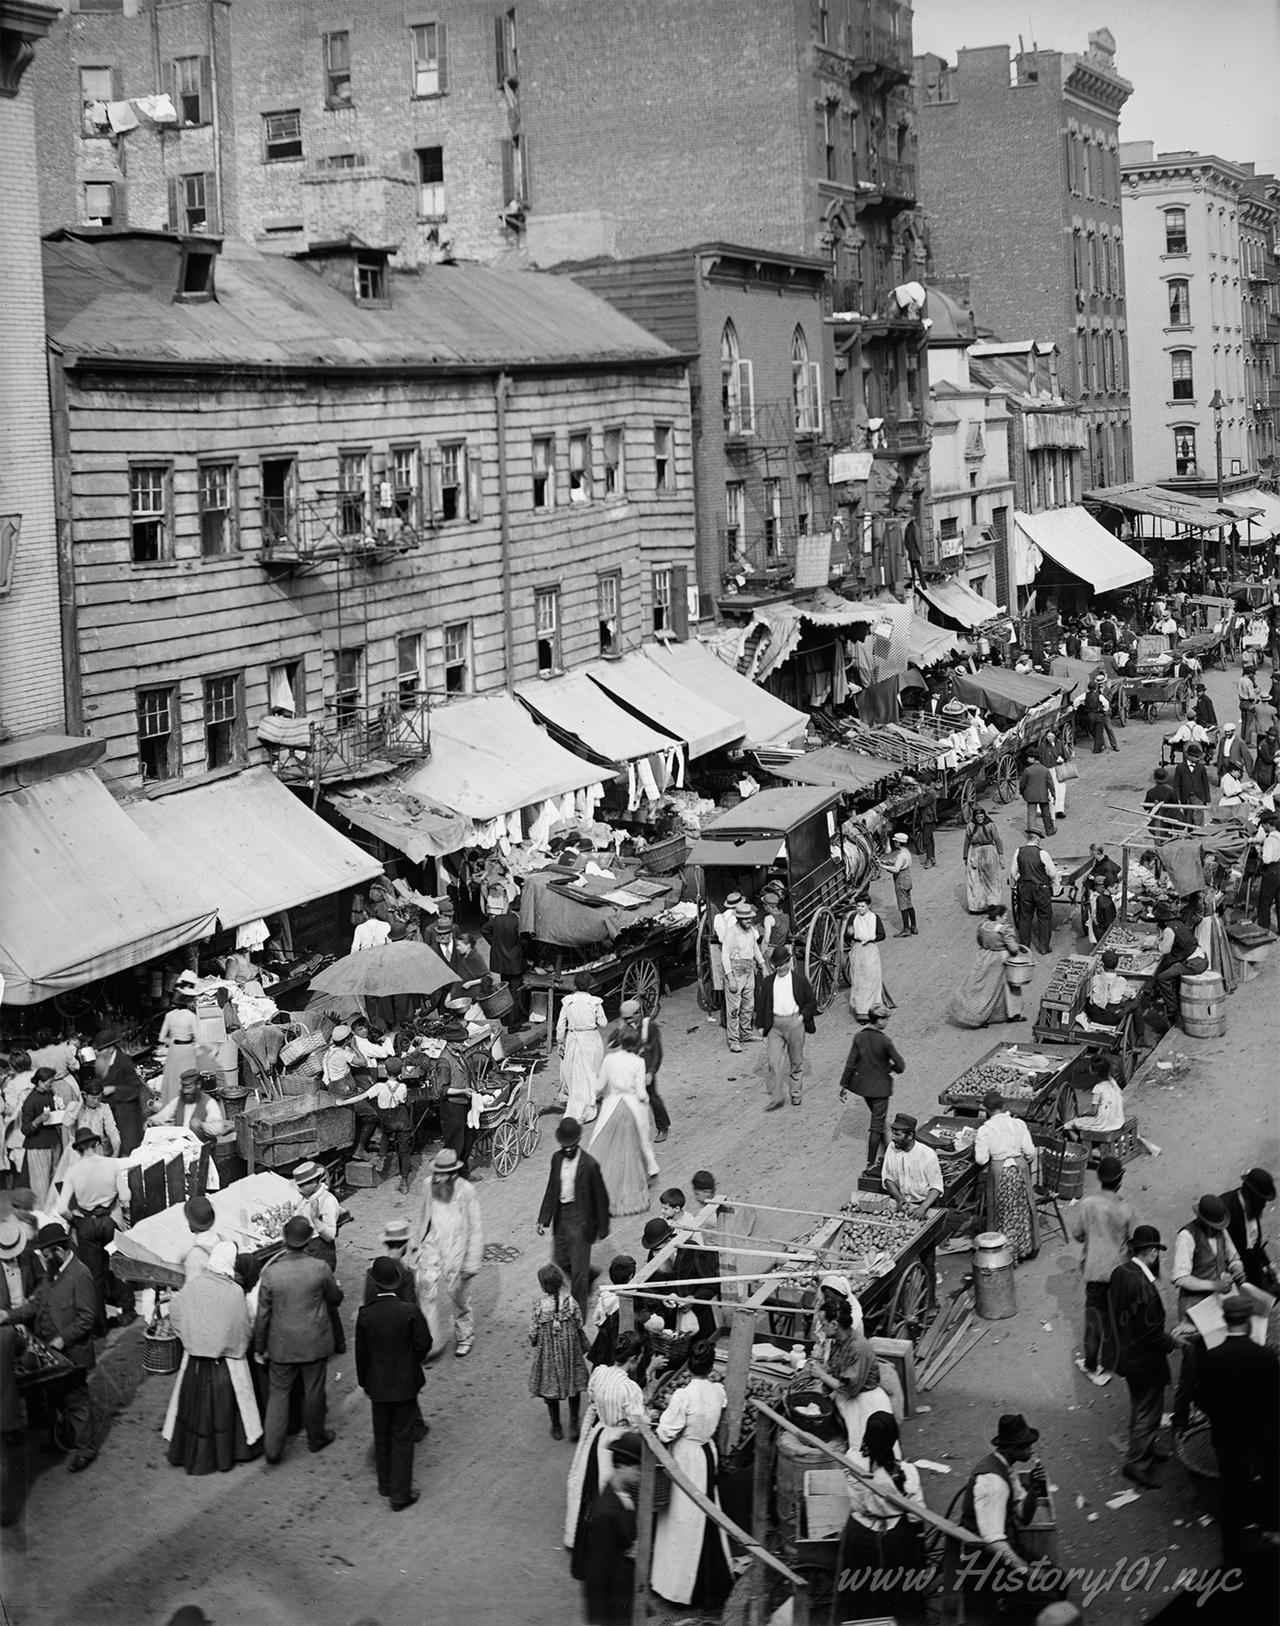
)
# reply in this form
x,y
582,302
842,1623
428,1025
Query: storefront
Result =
x,y
1065,559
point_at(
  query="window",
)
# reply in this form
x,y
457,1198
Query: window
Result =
x,y
663,467
192,203
217,492
1077,260
430,63
1179,302
197,275
806,387
1183,382
772,518
191,89
608,597
804,504
737,390
824,21
1082,360
159,735
405,476
453,476
662,619
353,492
411,678
1094,278
580,467
615,481
1184,450
348,685
337,69
457,658
149,512
505,45
735,519
278,501
1073,177
223,736
544,471
281,136
1175,231
431,197
671,606
97,88
99,203
513,154
285,696
1087,167
829,153
371,279
546,620
948,529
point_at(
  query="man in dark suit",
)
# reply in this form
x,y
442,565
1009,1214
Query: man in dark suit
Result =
x,y
61,1312
121,1087
575,1209
1237,1388
1244,1226
610,1574
506,959
1143,1348
293,1334
392,1341
786,1013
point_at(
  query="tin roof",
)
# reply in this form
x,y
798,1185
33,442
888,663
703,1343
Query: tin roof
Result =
x,y
109,295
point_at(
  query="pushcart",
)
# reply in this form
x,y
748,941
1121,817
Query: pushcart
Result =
x,y
1035,1087
1143,696
509,1128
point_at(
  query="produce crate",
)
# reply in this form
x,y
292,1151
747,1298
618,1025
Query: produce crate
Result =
x,y
275,1133
1064,998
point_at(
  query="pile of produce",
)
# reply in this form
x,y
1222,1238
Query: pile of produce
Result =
x,y
34,1359
1014,1083
868,1245
1122,937
270,1222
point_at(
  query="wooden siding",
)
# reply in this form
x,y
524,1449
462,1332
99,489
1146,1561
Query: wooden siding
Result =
x,y
658,291
189,617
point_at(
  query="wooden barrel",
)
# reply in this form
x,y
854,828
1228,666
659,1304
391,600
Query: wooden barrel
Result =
x,y
1204,1006
1075,1160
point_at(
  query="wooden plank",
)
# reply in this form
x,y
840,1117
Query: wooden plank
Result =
x,y
953,1357
644,1539
762,1466
742,1335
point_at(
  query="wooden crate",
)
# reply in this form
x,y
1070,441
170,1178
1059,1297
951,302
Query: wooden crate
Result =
x,y
275,1133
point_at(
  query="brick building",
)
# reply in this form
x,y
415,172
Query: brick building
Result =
x,y
1020,179
322,490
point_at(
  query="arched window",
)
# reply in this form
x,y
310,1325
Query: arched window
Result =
x,y
737,392
806,386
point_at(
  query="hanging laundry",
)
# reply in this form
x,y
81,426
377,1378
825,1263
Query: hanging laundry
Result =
x,y
121,117
159,109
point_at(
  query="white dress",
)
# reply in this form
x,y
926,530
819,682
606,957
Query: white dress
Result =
x,y
687,1427
866,978
580,1029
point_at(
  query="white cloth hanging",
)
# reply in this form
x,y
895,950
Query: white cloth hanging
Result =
x,y
252,934
648,784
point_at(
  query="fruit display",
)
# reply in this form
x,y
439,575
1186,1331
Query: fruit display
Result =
x,y
1120,937
1069,977
1014,1083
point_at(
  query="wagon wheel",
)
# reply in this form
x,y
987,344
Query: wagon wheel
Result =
x,y
1128,1049
1006,777
506,1148
1149,709
1067,1104
1182,697
846,938
821,956
530,1129
642,981
968,798
1123,706
912,1300
481,1148
708,993
1067,737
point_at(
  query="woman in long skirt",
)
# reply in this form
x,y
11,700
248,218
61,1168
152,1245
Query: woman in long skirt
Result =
x,y
690,1553
621,1143
880,1541
580,1035
983,863
1003,1145
866,979
213,1420
984,994
615,1403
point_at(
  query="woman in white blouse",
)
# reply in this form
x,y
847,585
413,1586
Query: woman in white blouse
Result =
x,y
690,1552
615,1403
880,1537
1004,1147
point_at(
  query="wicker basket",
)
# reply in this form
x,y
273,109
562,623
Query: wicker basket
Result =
x,y
161,1349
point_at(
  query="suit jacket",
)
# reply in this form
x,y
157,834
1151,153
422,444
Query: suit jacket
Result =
x,y
1237,1389
589,1192
805,1001
506,952
294,1295
1138,1315
1035,784
392,1341
407,1290
65,1306
610,1566
1254,1260
31,1274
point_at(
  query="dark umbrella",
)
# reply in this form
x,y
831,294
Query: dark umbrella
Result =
x,y
393,968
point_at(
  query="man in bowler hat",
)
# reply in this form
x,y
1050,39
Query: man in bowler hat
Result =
x,y
392,1341
1143,1347
575,1209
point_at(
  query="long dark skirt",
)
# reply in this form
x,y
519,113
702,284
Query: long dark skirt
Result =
x,y
208,1433
888,1571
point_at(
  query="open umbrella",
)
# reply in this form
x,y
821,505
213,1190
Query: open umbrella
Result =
x,y
394,968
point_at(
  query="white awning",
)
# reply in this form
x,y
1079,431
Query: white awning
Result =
x,y
769,721
644,688
1261,525
959,603
584,712
1079,544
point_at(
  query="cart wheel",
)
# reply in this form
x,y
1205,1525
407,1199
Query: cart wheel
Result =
x,y
708,993
846,938
912,1301
482,1148
1123,708
530,1129
1182,698
1006,777
1067,1105
1149,711
1128,1049
1067,738
642,981
506,1148
968,799
821,956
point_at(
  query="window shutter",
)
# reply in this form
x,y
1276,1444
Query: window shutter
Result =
x,y
475,488
508,168
820,140
524,171
120,203
815,397
168,84
206,92
500,48
680,601
212,204
747,396
435,504
174,217
442,56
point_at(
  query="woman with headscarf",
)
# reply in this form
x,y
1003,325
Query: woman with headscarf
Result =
x,y
984,994
580,1035
866,979
621,1143
213,1420
983,863
880,1539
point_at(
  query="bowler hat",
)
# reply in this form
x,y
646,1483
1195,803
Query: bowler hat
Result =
x,y
1260,1183
1110,1170
781,955
53,1235
385,1273
1145,1236
627,1447
1237,1307
1212,1211
568,1131
13,1238
86,1137
446,1161
190,1614
656,1233
306,1173
199,1213
1014,1430
298,1231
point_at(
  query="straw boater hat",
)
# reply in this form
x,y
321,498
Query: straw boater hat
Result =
x,y
13,1238
396,1232
899,839
307,1174
733,900
446,1161
745,911
629,1007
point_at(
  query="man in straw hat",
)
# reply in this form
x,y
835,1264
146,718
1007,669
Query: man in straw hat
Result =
x,y
899,866
740,953
1205,1262
1143,1347
575,1208
293,1335
446,1246
720,920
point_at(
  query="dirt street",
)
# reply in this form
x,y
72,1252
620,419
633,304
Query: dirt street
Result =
x,y
311,1541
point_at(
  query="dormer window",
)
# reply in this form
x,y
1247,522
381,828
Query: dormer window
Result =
x,y
196,279
371,279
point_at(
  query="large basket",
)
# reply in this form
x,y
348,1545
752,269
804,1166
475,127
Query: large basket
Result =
x,y
161,1350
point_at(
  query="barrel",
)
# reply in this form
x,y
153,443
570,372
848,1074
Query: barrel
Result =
x,y
1018,970
793,1461
1075,1160
993,1292
1204,1006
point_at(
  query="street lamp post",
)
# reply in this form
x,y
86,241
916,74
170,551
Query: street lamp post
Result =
x,y
1216,407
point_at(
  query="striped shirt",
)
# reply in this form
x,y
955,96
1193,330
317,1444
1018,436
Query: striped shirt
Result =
x,y
617,1398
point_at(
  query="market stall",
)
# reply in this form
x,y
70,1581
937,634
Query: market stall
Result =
x,y
251,1213
1034,1086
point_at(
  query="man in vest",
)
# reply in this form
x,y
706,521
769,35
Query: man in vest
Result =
x,y
1180,956
999,1504
1205,1262
1248,696
1033,874
192,1109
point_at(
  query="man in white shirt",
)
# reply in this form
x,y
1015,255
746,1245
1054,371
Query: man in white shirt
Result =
x,y
192,1109
319,1205
1034,877
719,923
742,958
911,1173
370,934
390,1096
1267,840
1248,695
996,1504
90,1203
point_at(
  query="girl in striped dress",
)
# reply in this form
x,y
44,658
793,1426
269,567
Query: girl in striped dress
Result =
x,y
559,1370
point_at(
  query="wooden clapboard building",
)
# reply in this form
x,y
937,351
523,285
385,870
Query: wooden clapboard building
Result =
x,y
314,489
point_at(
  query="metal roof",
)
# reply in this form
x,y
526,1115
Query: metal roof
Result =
x,y
769,812
110,296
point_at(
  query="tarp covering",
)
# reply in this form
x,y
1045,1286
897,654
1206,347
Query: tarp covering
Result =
x,y
835,765
769,721
581,708
784,624
251,844
1073,674
489,757
418,829
959,603
1003,692
1262,525
1082,546
548,915
1178,507
768,811
84,891
642,685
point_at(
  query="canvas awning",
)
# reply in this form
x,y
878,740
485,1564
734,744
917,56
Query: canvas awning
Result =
x,y
898,639
583,711
1005,693
251,844
959,603
645,689
769,721
384,808
1080,545
85,891
1176,506
835,765
1261,509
